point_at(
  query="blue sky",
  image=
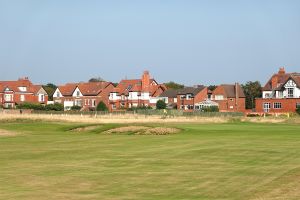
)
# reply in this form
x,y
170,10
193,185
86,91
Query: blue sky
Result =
x,y
187,41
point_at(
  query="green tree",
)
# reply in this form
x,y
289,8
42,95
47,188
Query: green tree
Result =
x,y
160,104
50,89
101,106
173,85
252,90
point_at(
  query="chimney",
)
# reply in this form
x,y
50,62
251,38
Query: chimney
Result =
x,y
146,81
236,94
281,71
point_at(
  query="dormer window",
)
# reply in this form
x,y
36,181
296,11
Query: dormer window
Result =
x,y
77,93
22,89
129,87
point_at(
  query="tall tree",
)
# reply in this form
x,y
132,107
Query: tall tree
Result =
x,y
50,89
252,90
173,85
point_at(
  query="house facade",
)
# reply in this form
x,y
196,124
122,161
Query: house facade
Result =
x,y
229,97
13,93
87,95
281,94
136,93
192,98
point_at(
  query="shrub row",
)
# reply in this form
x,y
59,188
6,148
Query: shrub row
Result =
x,y
33,106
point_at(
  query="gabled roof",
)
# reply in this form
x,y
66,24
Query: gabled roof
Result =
x,y
135,85
280,80
191,90
230,90
86,88
170,93
15,86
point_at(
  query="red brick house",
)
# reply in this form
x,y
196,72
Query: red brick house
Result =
x,y
281,94
13,93
86,95
192,98
230,98
136,93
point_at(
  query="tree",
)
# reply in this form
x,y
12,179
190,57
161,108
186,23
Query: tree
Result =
x,y
252,90
160,104
173,85
50,89
101,106
96,79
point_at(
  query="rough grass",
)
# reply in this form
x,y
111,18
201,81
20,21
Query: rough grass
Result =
x,y
251,161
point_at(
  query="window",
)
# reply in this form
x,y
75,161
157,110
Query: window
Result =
x,y
113,106
266,107
93,102
231,99
77,93
8,97
41,97
280,94
23,89
189,96
290,92
22,98
57,94
277,105
182,96
298,105
219,97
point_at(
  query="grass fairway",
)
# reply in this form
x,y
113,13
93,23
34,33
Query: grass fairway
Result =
x,y
205,161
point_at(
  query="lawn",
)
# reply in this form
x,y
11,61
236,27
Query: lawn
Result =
x,y
204,161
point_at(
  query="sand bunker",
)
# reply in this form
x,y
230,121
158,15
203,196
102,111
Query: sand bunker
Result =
x,y
86,128
6,133
142,130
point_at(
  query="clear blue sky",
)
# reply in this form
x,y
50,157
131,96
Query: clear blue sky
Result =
x,y
188,41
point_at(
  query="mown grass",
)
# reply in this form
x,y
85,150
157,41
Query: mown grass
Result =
x,y
205,161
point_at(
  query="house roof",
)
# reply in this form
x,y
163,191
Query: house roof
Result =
x,y
22,82
170,93
280,79
135,85
191,90
230,90
86,88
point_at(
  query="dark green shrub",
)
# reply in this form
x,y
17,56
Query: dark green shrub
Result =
x,y
210,109
101,106
160,104
298,110
76,108
55,107
32,106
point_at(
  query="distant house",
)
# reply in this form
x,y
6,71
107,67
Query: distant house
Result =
x,y
136,93
169,96
230,98
281,94
13,93
84,94
192,98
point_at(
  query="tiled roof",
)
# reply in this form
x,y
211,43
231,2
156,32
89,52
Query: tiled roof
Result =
x,y
191,90
170,93
86,88
15,86
281,80
230,90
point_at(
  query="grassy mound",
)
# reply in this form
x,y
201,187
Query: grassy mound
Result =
x,y
142,130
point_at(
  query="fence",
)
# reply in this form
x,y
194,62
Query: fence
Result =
x,y
173,113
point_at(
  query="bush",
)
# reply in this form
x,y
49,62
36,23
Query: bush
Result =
x,y
298,110
55,107
101,106
160,104
32,106
76,108
210,109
